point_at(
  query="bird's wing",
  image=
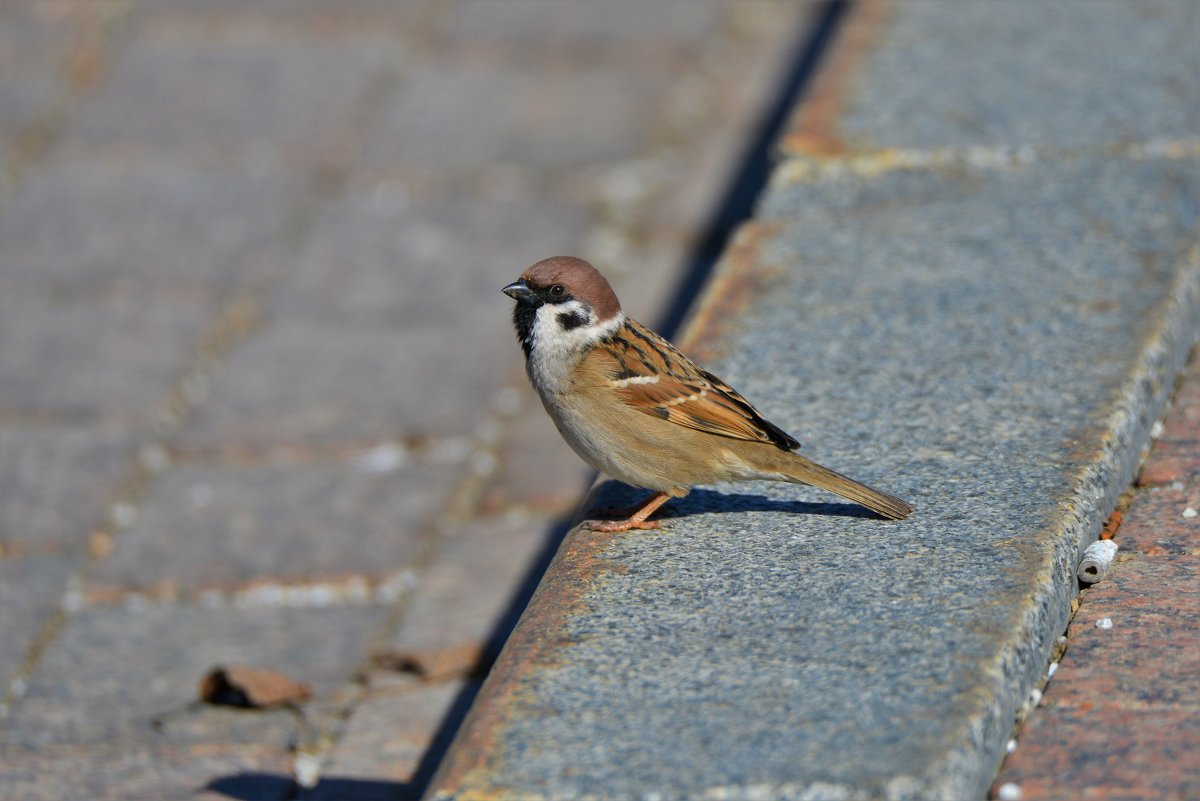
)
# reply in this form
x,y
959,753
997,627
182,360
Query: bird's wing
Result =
x,y
648,374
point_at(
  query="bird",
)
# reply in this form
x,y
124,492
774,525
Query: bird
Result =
x,y
635,408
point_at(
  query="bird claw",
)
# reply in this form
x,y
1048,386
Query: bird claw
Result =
x,y
616,526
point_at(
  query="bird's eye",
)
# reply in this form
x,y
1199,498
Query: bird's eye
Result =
x,y
557,290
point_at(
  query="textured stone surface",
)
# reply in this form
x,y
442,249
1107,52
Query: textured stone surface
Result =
x,y
383,256
667,23
492,557
1060,74
569,117
1176,454
386,739
222,528
120,228
30,84
94,359
56,483
115,669
30,591
1155,523
1118,716
121,773
303,102
990,340
538,471
407,382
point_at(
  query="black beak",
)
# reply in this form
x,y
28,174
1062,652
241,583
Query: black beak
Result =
x,y
518,291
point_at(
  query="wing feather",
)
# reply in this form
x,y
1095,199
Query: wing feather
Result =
x,y
648,374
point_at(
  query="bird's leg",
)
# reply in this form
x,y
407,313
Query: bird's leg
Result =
x,y
636,520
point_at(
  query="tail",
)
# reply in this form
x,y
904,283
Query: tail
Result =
x,y
805,471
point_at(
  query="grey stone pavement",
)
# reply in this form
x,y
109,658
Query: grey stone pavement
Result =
x,y
973,281
259,400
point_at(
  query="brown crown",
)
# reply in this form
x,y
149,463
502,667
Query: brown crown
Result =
x,y
581,280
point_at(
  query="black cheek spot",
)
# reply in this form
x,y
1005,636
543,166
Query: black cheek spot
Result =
x,y
571,320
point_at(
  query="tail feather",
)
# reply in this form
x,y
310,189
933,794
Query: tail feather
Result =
x,y
802,470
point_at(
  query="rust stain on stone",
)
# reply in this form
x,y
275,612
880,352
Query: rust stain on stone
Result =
x,y
536,643
738,278
815,128
1112,526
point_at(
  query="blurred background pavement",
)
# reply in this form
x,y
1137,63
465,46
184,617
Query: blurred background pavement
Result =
x,y
260,402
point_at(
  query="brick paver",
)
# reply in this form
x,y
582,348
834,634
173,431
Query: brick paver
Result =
x,y
1120,716
259,397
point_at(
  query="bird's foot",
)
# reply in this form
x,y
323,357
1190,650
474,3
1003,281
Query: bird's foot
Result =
x,y
636,520
613,526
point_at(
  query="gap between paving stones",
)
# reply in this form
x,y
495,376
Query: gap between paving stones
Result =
x,y
238,319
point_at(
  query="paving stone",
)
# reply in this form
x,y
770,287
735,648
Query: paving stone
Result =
x,y
1154,524
1132,591
1066,74
459,116
113,670
303,382
206,527
379,255
31,588
32,52
269,95
1149,657
1175,455
103,772
56,482
1108,754
108,360
79,226
541,22
385,742
469,587
537,469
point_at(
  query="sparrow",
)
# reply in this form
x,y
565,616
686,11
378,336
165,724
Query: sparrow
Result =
x,y
635,408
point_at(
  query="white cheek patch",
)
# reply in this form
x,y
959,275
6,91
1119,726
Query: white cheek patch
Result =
x,y
556,349
549,332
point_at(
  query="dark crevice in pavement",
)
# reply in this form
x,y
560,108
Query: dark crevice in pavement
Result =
x,y
753,170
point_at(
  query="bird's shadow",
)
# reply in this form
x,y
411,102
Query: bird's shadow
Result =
x,y
613,497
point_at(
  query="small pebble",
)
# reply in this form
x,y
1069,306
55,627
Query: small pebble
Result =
x,y
1104,623
306,768
1010,746
483,463
1156,430
155,458
1009,792
122,514
1189,513
1050,671
381,459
